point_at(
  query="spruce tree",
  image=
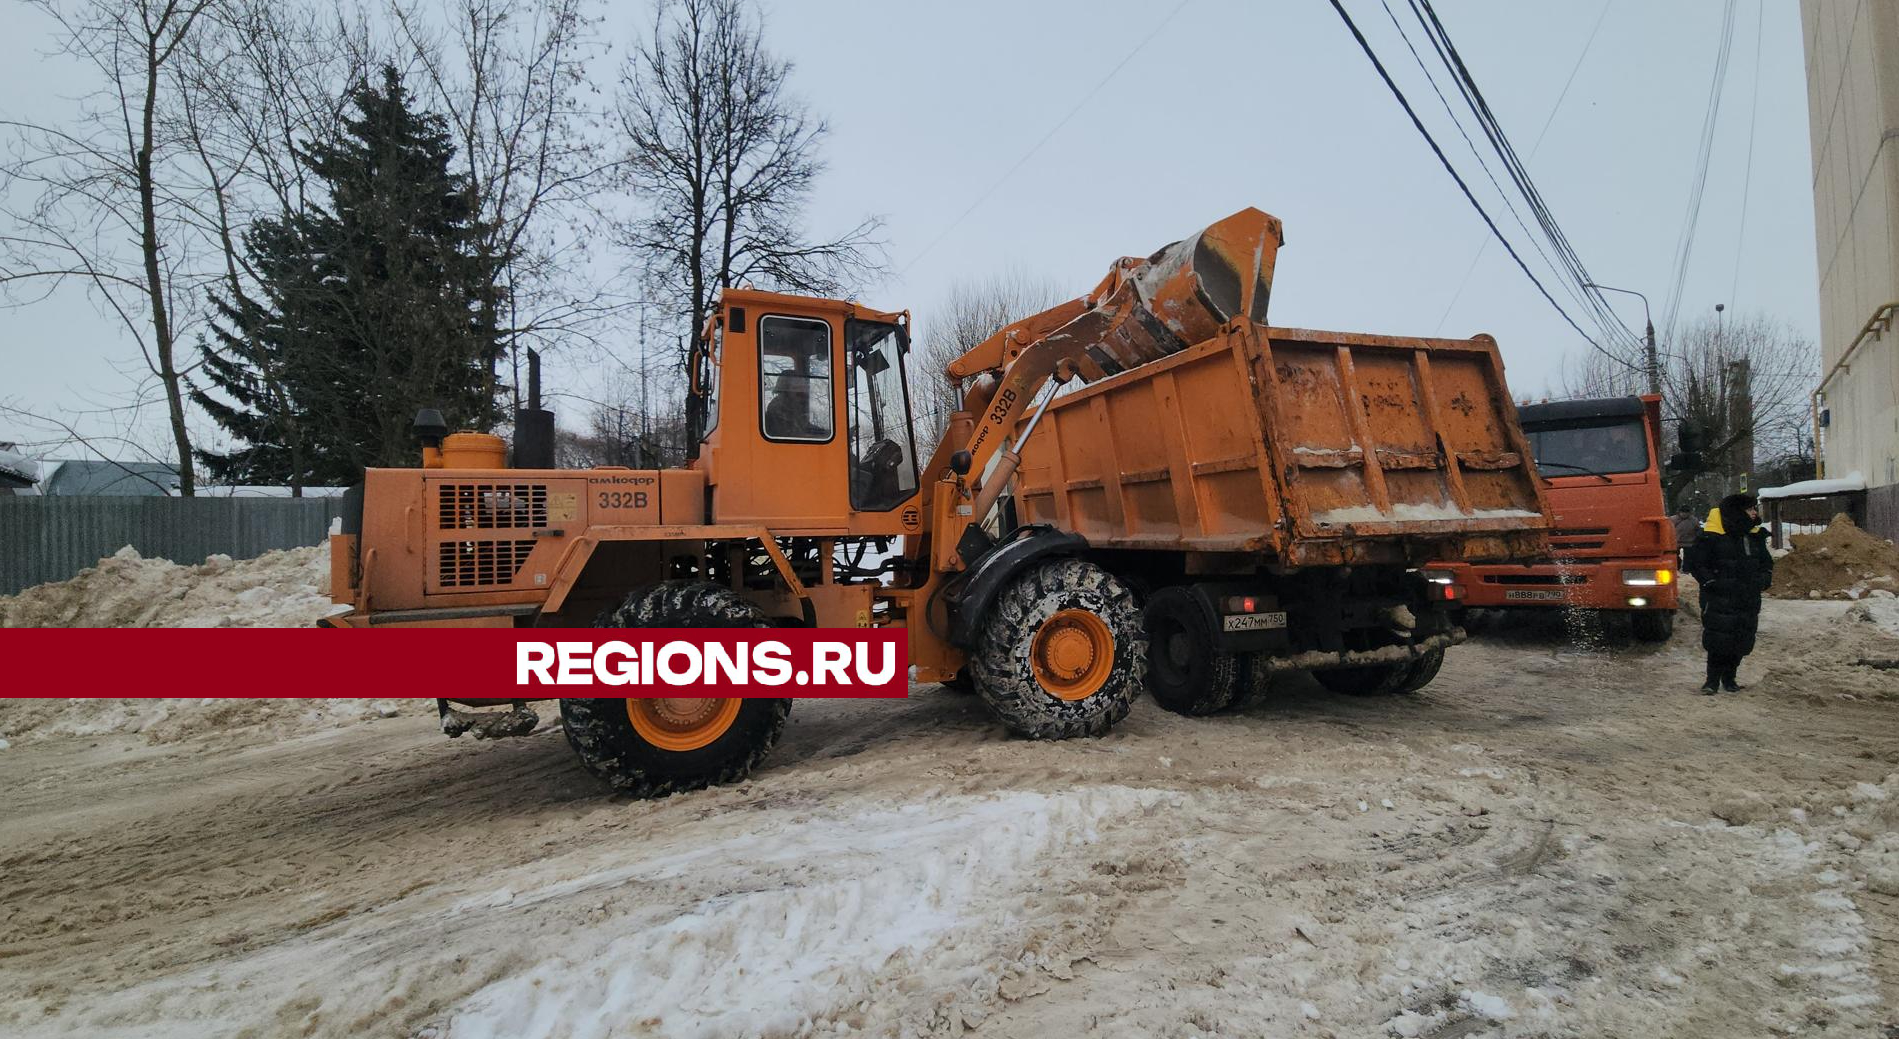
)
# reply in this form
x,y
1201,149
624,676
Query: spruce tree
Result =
x,y
379,301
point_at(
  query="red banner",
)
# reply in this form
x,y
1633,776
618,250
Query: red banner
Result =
x,y
456,663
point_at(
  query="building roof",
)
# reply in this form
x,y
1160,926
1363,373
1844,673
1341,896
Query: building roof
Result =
x,y
1852,481
17,470
112,478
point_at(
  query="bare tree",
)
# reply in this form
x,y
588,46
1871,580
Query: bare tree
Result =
x,y
267,79
723,158
972,311
513,78
1738,383
104,200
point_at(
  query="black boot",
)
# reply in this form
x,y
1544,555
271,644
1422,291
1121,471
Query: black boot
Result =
x,y
1713,684
1730,679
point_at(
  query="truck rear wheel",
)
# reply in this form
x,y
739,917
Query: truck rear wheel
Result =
x,y
1186,672
1423,670
1383,679
1653,625
652,747
1062,652
1368,680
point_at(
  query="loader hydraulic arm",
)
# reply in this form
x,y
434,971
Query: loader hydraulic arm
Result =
x,y
1143,310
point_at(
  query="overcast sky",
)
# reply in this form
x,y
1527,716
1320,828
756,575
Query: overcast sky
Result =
x,y
1229,104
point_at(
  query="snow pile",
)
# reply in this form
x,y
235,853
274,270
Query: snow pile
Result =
x,y
1840,562
287,589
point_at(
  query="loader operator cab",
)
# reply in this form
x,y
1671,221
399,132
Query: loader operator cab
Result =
x,y
803,414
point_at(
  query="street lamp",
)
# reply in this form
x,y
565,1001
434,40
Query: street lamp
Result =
x,y
1648,342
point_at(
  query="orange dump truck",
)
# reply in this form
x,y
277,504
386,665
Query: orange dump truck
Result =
x,y
1612,548
1275,489
1217,499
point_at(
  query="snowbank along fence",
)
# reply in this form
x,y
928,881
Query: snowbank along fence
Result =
x,y
52,538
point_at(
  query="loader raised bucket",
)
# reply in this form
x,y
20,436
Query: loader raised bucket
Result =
x,y
1147,309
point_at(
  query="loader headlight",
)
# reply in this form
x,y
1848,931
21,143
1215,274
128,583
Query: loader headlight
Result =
x,y
1648,578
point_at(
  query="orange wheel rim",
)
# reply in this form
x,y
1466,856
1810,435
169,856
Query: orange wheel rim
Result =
x,y
1072,655
682,723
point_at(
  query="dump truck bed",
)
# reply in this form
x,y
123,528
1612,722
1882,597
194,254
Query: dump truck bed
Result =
x,y
1304,447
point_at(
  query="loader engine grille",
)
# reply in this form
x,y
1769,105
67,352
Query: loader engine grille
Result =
x,y
492,506
478,564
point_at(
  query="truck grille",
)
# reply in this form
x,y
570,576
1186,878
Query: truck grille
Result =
x,y
478,564
1542,579
1578,539
491,506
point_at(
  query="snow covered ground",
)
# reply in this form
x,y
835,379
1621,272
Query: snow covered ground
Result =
x,y
1557,838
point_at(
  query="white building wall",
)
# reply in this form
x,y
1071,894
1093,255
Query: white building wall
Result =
x,y
1852,49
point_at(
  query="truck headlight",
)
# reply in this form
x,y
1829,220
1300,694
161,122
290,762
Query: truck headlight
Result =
x,y
1438,576
1648,578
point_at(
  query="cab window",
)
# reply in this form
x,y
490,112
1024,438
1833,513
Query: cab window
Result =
x,y
883,458
1602,447
794,369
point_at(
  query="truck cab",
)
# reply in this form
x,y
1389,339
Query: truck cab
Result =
x,y
1612,547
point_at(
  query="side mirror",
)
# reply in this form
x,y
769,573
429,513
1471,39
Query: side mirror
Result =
x,y
960,463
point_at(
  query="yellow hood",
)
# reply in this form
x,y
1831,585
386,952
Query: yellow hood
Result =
x,y
1714,525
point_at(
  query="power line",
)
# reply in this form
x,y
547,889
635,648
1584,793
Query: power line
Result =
x,y
1475,153
1747,180
1052,131
1417,123
1697,186
1535,146
1593,301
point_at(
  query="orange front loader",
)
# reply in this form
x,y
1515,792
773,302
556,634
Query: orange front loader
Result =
x,y
1223,500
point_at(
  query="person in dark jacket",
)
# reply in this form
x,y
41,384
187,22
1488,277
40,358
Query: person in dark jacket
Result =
x,y
1731,561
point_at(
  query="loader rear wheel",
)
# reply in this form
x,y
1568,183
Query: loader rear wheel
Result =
x,y
1186,673
1062,652
654,747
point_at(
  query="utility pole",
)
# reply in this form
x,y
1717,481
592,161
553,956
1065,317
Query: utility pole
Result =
x,y
1652,357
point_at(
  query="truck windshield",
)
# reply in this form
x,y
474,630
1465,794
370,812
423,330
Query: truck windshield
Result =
x,y
883,459
1618,445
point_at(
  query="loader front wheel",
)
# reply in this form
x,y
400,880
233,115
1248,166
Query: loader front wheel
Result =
x,y
1062,652
654,747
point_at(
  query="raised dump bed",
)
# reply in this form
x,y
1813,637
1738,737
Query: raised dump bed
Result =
x,y
1305,448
